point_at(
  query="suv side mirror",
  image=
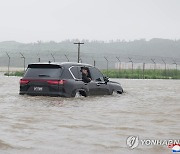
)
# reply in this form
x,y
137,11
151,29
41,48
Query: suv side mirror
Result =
x,y
106,79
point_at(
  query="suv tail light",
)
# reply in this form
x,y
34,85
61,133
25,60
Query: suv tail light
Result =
x,y
56,82
22,81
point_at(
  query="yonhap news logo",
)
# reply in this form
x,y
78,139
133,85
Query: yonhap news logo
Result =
x,y
134,141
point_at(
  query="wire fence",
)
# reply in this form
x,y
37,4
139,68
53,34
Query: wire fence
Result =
x,y
10,61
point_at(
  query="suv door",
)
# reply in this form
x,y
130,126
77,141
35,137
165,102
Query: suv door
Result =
x,y
91,87
77,75
98,79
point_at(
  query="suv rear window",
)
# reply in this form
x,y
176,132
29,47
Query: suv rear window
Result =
x,y
43,71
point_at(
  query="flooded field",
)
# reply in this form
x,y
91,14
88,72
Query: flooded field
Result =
x,y
149,109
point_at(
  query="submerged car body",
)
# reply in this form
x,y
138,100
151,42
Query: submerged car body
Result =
x,y
65,79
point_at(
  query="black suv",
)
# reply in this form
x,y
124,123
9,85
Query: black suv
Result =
x,y
65,79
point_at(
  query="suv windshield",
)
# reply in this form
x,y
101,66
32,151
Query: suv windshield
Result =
x,y
43,72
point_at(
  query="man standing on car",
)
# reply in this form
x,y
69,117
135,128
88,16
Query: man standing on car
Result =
x,y
85,75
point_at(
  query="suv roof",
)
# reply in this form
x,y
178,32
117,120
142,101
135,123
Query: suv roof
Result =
x,y
64,64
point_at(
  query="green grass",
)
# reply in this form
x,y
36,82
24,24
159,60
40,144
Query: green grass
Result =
x,y
138,74
129,74
17,73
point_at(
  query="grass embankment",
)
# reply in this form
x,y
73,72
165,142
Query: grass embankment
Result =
x,y
139,74
129,74
16,73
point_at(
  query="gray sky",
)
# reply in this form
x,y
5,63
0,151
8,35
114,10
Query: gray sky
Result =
x,y
32,20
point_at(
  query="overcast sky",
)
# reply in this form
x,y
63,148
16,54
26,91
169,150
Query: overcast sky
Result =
x,y
57,20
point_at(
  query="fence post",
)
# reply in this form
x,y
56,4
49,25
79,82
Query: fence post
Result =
x,y
107,65
66,57
9,60
118,66
165,66
53,57
130,60
94,63
153,60
143,69
39,59
23,59
176,65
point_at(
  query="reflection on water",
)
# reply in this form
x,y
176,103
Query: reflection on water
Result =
x,y
148,108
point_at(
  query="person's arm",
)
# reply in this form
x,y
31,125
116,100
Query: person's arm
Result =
x,y
85,78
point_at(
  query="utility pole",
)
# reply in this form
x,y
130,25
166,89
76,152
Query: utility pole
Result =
x,y
66,57
53,57
119,65
9,59
79,44
23,59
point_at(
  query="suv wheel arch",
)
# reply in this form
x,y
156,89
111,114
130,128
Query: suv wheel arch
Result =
x,y
82,92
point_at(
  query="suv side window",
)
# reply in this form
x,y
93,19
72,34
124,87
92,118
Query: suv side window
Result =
x,y
96,74
76,72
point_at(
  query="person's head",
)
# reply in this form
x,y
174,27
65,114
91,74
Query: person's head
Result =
x,y
84,70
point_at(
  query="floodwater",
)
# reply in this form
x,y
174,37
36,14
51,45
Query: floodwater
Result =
x,y
149,109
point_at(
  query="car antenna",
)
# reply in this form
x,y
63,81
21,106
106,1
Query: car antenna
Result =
x,y
49,62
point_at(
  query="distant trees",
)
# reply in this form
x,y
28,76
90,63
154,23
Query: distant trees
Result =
x,y
153,47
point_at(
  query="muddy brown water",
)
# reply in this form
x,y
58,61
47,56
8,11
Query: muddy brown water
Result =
x,y
149,109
